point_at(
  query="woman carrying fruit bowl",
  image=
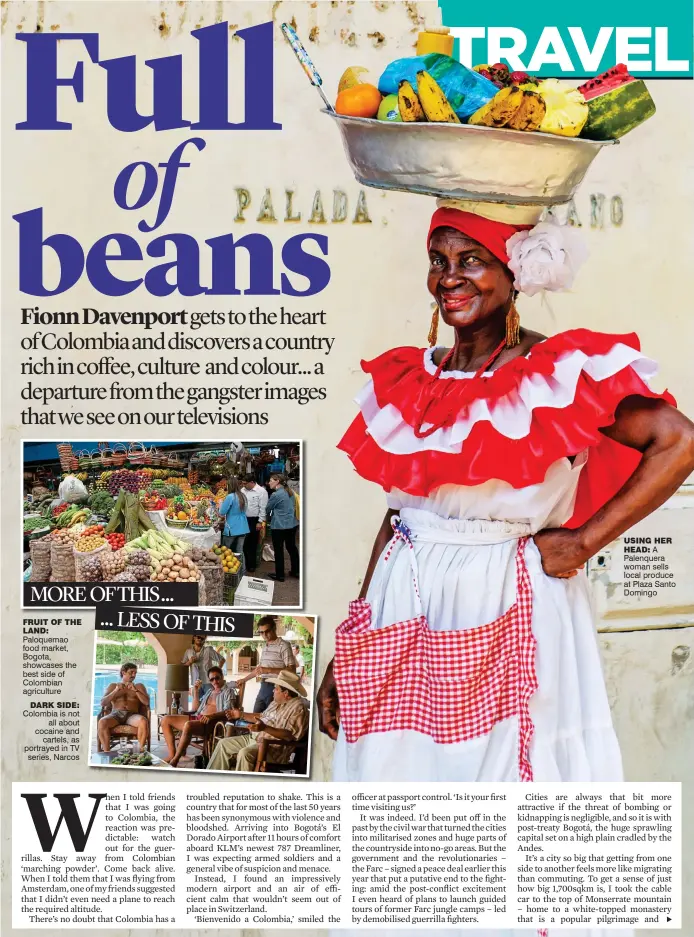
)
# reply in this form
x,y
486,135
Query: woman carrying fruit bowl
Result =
x,y
508,460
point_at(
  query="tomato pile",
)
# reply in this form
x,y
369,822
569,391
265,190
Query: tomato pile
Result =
x,y
116,540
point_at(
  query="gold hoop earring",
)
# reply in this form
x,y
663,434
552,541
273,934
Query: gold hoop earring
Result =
x,y
434,327
512,325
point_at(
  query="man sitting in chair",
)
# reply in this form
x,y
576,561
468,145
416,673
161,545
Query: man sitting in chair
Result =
x,y
209,710
124,699
285,719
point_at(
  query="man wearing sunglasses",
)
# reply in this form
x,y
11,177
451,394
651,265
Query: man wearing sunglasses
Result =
x,y
285,720
208,710
276,656
200,657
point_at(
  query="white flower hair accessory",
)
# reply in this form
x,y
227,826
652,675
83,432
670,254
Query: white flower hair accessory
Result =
x,y
545,258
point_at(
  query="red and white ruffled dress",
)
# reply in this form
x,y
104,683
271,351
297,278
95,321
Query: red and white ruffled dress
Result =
x,y
465,662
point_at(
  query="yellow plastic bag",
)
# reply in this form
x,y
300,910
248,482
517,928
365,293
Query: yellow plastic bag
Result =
x,y
297,505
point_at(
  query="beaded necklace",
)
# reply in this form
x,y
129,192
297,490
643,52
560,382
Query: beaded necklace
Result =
x,y
418,431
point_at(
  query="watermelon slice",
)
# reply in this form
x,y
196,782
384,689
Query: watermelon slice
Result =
x,y
617,103
612,78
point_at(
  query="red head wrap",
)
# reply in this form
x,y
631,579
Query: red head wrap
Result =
x,y
490,234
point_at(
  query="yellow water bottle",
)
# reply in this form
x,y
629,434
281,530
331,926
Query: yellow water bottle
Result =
x,y
435,39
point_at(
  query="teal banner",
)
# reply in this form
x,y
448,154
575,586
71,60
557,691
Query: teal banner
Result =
x,y
542,38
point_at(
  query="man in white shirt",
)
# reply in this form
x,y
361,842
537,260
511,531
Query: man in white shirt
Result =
x,y
256,502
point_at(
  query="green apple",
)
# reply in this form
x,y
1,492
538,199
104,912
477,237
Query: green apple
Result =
x,y
389,108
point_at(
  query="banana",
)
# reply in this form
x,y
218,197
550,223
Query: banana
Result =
x,y
408,103
78,517
499,111
530,114
434,102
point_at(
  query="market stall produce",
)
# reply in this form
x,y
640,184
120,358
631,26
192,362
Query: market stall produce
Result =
x,y
204,539
133,513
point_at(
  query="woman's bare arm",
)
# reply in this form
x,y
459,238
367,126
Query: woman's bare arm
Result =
x,y
328,702
666,438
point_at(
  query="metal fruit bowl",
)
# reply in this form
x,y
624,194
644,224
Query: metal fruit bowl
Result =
x,y
466,161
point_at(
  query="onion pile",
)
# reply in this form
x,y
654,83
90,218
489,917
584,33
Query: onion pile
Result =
x,y
139,564
125,576
131,481
91,569
176,569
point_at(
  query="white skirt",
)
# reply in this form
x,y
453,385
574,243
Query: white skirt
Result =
x,y
466,575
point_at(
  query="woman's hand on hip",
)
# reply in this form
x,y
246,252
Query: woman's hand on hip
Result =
x,y
328,705
561,552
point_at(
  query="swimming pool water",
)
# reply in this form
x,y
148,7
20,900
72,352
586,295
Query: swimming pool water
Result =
x,y
102,678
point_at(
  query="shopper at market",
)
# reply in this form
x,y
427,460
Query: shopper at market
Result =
x,y
276,656
123,701
285,719
256,504
200,658
233,510
208,710
282,509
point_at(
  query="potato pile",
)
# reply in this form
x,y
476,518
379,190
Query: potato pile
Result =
x,y
87,544
113,563
205,557
67,536
91,569
73,533
176,569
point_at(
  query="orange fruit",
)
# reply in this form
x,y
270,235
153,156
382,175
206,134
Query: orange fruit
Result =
x,y
359,101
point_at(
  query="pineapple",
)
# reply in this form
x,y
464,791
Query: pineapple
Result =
x,y
566,111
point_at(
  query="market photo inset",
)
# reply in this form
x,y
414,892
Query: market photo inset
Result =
x,y
200,523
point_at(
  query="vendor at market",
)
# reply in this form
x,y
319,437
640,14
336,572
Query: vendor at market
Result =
x,y
507,460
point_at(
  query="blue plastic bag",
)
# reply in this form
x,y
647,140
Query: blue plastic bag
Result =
x,y
467,91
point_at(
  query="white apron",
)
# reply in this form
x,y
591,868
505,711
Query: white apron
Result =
x,y
464,542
